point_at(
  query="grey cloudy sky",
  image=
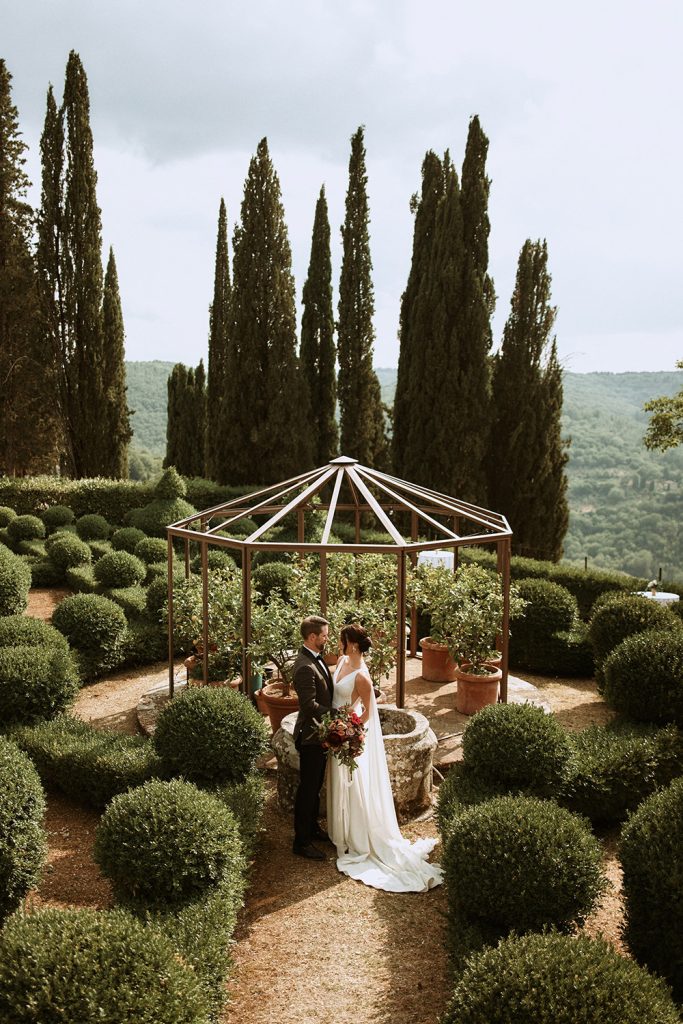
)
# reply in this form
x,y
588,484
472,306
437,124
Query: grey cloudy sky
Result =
x,y
581,102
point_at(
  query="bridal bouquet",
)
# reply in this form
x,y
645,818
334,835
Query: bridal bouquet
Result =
x,y
342,732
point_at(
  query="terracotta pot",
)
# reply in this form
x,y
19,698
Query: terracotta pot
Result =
x,y
476,691
437,664
496,661
277,706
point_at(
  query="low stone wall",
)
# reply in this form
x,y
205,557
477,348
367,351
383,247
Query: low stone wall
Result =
x,y
409,743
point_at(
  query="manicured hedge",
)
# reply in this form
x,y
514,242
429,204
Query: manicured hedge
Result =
x,y
643,676
89,765
549,636
246,800
25,528
119,569
23,844
651,853
93,967
617,619
29,632
167,843
57,516
126,538
616,766
557,979
46,574
210,735
15,582
155,517
274,576
151,549
95,627
93,527
6,515
66,551
133,600
36,683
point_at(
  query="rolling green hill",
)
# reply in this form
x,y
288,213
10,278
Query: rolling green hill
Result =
x,y
626,503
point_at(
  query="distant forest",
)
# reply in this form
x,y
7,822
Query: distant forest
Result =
x,y
626,502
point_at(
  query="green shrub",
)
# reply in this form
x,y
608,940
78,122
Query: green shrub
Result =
x,y
145,642
36,548
621,617
93,527
15,581
155,517
56,516
210,735
643,676
166,843
81,579
29,632
23,844
155,570
89,765
46,574
557,979
157,594
521,863
273,576
133,600
67,551
201,932
170,484
93,967
246,800
25,528
119,569
99,548
126,538
460,789
517,746
96,627
151,549
216,558
7,514
551,610
615,766
651,854
35,683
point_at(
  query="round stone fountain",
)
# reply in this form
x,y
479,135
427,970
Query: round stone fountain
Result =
x,y
409,745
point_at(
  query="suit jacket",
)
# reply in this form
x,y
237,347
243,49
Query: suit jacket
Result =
x,y
314,691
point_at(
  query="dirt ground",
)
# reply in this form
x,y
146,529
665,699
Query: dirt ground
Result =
x,y
309,941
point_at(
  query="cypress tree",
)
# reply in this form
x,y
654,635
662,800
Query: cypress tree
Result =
x,y
477,305
70,264
28,439
412,400
219,322
197,459
362,428
265,397
176,391
527,458
317,340
118,430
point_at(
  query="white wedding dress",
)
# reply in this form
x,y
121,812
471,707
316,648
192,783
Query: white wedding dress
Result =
x,y
361,819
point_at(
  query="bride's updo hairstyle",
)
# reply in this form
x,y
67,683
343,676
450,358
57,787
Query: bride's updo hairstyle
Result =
x,y
355,634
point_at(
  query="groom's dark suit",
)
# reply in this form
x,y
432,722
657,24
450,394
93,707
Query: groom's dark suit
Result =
x,y
313,685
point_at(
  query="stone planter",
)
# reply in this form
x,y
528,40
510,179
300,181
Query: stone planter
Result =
x,y
409,744
437,664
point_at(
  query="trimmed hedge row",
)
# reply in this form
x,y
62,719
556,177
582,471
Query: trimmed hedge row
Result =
x,y
23,844
643,676
92,966
557,979
36,682
623,616
15,582
89,765
651,853
95,627
603,772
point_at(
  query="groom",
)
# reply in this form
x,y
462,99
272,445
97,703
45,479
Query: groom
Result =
x,y
313,684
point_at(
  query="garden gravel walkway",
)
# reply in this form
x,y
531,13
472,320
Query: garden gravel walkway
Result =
x,y
311,944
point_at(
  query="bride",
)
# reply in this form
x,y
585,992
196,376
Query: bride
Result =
x,y
361,818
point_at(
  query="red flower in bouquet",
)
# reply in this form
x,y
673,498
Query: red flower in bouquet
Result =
x,y
342,732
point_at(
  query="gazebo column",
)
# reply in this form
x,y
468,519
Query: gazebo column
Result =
x,y
171,678
401,631
323,583
246,620
413,609
187,557
205,608
504,548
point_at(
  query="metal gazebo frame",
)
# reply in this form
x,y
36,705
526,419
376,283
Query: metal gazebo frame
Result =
x,y
295,495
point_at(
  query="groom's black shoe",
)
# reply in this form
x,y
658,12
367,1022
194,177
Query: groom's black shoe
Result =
x,y
321,834
310,852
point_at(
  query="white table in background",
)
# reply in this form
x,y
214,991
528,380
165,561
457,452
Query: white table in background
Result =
x,y
436,558
662,597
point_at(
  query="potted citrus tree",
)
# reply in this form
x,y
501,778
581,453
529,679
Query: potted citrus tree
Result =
x,y
225,624
275,639
432,589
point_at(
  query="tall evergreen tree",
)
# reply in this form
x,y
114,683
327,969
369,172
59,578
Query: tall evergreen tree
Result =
x,y
199,422
176,398
477,304
264,396
362,427
186,419
117,413
412,421
70,262
28,439
218,426
317,340
527,458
